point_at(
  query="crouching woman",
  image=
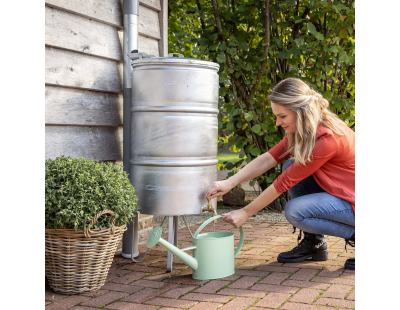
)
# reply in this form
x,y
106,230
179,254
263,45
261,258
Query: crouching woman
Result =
x,y
319,172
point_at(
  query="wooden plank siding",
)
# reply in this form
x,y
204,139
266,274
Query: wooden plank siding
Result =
x,y
83,73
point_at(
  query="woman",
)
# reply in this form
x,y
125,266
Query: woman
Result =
x,y
320,176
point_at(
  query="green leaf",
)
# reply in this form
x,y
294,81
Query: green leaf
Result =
x,y
203,42
241,8
256,128
248,116
244,45
343,33
232,43
221,57
222,47
350,59
299,41
255,151
284,55
319,35
311,28
334,48
229,166
213,37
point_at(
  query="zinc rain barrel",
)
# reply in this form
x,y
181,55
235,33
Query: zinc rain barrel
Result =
x,y
174,133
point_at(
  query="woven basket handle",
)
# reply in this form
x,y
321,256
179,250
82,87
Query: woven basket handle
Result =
x,y
96,217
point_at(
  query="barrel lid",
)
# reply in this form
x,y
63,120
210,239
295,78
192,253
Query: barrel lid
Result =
x,y
171,60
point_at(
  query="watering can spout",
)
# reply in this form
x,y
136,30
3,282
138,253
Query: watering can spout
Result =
x,y
155,237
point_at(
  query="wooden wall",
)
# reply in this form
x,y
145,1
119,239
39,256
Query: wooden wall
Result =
x,y
83,73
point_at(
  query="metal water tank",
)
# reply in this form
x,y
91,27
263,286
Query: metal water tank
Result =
x,y
174,131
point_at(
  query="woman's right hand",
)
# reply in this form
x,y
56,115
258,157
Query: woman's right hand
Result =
x,y
219,188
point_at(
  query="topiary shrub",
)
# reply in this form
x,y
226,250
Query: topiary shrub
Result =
x,y
78,189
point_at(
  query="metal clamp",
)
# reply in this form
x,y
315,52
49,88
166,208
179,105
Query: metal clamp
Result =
x,y
135,56
179,55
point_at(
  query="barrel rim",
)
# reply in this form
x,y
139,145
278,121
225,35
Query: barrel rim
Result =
x,y
175,61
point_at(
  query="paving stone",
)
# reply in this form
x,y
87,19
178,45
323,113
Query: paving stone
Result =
x,y
305,295
130,306
206,297
212,286
253,273
333,302
238,303
142,295
142,268
231,278
306,264
81,308
275,278
338,280
168,302
102,300
298,306
331,272
50,295
274,288
304,274
121,287
244,282
67,302
277,268
128,278
178,291
251,264
305,284
95,293
337,291
273,300
206,306
242,293
148,283
185,279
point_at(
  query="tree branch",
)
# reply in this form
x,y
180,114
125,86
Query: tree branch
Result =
x,y
228,59
265,54
203,24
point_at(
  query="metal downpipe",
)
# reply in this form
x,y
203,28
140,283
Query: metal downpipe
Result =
x,y
130,239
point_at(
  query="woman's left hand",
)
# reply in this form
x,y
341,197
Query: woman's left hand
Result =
x,y
236,217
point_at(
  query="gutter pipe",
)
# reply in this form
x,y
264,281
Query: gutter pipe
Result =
x,y
130,238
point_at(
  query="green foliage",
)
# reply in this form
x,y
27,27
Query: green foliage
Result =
x,y
311,40
77,189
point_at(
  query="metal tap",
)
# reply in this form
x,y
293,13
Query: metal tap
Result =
x,y
209,208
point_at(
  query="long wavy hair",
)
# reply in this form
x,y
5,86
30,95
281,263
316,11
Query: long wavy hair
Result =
x,y
311,110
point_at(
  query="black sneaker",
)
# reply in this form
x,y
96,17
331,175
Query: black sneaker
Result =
x,y
312,246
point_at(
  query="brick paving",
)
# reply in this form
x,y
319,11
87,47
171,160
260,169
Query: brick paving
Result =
x,y
260,282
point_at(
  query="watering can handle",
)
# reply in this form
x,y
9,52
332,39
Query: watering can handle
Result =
x,y
241,241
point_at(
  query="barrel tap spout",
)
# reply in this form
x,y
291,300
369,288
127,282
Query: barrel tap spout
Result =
x,y
209,208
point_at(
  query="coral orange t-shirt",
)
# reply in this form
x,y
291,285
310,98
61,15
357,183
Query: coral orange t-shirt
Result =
x,y
332,164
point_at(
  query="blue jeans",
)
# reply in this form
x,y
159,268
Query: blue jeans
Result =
x,y
313,210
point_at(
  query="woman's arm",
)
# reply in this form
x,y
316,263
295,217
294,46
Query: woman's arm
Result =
x,y
238,217
253,169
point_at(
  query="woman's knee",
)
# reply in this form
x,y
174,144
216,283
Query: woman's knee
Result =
x,y
291,213
287,164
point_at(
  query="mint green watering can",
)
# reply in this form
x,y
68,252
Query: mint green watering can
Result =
x,y
213,252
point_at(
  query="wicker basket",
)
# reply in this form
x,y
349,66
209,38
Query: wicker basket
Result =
x,y
78,261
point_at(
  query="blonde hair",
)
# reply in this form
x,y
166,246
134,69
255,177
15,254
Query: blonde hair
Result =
x,y
311,110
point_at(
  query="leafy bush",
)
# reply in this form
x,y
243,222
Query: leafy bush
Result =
x,y
258,43
78,189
